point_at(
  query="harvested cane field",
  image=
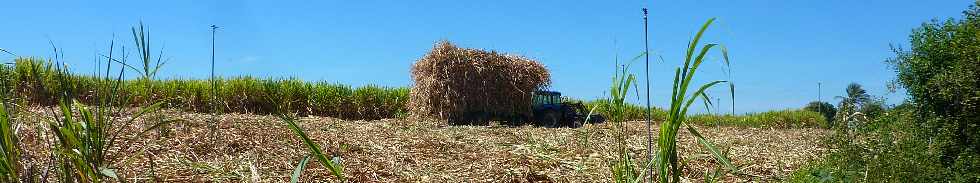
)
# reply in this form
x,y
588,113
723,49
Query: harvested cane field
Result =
x,y
61,126
260,148
525,92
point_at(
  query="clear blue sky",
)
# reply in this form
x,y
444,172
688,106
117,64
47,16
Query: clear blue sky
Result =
x,y
780,49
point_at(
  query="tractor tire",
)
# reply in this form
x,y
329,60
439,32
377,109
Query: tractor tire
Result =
x,y
550,119
596,119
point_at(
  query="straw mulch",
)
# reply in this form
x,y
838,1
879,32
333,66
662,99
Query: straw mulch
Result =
x,y
452,82
257,148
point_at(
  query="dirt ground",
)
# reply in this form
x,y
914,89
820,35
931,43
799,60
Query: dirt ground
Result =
x,y
257,148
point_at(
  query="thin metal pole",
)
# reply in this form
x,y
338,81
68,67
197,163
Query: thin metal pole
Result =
x,y
718,105
214,89
820,99
646,52
214,92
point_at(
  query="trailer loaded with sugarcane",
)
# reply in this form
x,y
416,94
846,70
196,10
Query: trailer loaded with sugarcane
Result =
x,y
472,86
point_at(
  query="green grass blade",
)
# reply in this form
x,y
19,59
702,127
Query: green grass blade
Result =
x,y
689,72
335,168
721,158
731,87
299,169
673,96
699,92
148,109
697,38
158,125
707,102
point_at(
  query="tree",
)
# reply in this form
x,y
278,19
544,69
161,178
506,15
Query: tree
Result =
x,y
854,99
856,95
941,73
873,108
824,108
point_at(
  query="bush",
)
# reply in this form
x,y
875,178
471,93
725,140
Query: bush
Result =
x,y
941,73
890,148
933,136
874,108
824,108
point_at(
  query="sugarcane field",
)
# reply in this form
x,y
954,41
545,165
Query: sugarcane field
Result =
x,y
497,91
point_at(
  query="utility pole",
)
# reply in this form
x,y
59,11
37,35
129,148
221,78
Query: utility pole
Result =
x,y
646,52
819,98
214,89
718,104
213,84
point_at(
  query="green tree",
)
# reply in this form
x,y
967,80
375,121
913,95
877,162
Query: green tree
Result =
x,y
824,108
873,108
941,73
856,96
854,99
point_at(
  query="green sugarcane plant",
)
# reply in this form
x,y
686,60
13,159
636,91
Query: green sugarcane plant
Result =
x,y
616,106
667,159
334,164
85,134
9,145
141,37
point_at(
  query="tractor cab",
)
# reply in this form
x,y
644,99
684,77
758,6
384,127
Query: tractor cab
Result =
x,y
544,100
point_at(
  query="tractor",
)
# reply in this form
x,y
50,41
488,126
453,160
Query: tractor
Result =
x,y
549,109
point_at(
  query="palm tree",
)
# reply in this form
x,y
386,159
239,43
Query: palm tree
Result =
x,y
857,94
855,98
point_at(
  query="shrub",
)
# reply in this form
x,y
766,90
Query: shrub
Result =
x,y
874,108
933,136
890,148
824,108
941,73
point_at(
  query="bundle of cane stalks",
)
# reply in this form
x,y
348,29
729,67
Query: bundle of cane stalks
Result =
x,y
451,83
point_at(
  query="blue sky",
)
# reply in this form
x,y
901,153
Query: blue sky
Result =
x,y
779,49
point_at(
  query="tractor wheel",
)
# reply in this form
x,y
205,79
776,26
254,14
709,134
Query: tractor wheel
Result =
x,y
572,118
595,118
550,119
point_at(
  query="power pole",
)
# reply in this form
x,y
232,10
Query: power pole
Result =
x,y
646,52
214,92
214,89
718,104
819,98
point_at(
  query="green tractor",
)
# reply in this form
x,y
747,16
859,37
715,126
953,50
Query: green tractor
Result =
x,y
548,109
551,110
